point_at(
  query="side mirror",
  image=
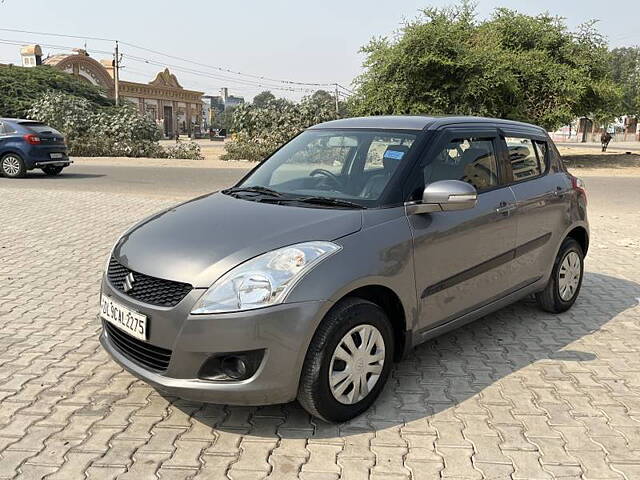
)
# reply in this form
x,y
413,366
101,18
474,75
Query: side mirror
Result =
x,y
444,195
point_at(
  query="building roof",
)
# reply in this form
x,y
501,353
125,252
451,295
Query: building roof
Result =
x,y
416,122
56,59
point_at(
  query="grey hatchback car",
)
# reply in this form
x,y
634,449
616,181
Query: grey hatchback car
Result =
x,y
354,242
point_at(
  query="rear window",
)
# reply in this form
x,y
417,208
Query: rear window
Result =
x,y
38,127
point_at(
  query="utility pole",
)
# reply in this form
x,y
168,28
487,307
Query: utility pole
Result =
x,y
337,105
116,74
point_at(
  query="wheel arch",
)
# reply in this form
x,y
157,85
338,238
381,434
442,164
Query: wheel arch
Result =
x,y
12,151
580,235
390,302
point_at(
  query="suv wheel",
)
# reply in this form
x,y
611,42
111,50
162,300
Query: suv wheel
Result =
x,y
52,170
566,279
348,361
12,166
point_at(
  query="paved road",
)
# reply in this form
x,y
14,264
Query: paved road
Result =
x,y
616,192
519,394
613,146
154,181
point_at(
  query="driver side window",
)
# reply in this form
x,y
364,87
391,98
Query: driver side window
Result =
x,y
468,159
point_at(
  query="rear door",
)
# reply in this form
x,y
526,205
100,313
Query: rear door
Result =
x,y
540,189
462,258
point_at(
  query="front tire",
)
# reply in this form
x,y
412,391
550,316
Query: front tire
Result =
x,y
12,166
348,361
52,170
566,279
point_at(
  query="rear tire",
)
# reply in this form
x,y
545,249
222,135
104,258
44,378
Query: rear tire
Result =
x,y
12,166
566,279
327,370
52,170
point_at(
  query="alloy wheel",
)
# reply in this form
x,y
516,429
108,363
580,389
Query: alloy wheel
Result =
x,y
11,166
356,364
569,276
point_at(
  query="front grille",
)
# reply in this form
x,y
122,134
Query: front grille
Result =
x,y
151,290
145,354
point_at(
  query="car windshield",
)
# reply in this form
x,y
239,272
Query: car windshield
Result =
x,y
349,168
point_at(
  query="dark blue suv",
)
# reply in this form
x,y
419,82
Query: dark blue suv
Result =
x,y
27,144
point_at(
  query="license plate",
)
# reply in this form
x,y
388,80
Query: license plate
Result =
x,y
127,320
56,155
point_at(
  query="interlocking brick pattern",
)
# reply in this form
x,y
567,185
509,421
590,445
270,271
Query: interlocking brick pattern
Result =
x,y
519,394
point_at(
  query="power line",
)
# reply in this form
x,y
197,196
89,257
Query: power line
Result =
x,y
230,80
345,88
60,35
21,43
175,57
263,81
226,70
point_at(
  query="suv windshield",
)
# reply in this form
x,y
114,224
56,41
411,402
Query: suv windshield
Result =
x,y
349,168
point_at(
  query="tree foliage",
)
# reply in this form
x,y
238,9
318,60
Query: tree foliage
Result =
x,y
516,66
625,71
20,87
106,131
259,131
263,98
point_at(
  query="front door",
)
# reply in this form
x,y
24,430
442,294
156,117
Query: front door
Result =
x,y
168,121
463,258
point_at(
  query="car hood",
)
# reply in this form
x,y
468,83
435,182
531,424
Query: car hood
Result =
x,y
198,241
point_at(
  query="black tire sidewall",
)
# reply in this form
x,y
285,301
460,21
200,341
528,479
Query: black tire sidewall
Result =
x,y
568,246
23,168
358,314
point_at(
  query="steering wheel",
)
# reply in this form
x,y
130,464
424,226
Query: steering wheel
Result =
x,y
329,175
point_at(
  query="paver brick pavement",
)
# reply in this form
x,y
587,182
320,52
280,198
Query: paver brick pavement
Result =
x,y
519,394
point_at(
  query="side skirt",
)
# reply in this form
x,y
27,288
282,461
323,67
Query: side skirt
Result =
x,y
429,333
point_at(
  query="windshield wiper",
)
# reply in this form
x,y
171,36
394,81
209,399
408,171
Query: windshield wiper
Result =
x,y
333,202
255,189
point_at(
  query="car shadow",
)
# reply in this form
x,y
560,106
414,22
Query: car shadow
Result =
x,y
64,175
449,371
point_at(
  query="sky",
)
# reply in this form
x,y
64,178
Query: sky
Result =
x,y
292,40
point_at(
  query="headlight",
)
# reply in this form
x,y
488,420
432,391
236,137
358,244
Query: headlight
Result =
x,y
264,280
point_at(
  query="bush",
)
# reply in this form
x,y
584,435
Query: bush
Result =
x,y
262,129
190,150
105,131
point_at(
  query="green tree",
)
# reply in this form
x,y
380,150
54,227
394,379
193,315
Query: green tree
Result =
x,y
516,66
625,71
261,130
20,87
263,98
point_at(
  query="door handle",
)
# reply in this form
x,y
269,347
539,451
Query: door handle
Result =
x,y
505,208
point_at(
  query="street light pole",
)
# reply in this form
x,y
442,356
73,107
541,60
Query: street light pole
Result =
x,y
116,74
337,105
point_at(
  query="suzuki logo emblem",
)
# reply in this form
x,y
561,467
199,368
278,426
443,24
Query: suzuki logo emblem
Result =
x,y
127,285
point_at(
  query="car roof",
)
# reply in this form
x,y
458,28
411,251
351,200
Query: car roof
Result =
x,y
420,122
18,120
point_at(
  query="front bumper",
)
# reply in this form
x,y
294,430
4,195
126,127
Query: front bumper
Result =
x,y
283,331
